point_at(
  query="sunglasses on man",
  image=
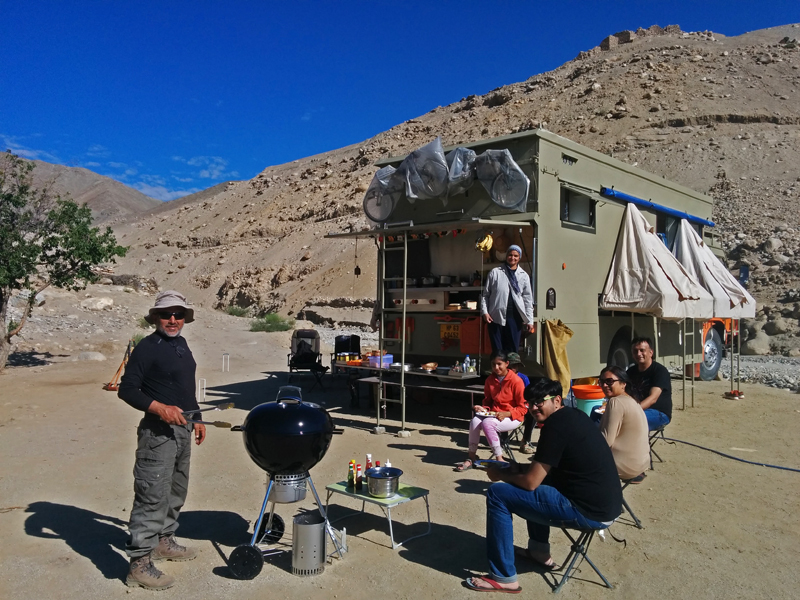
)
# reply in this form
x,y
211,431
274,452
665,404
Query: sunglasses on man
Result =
x,y
166,315
541,402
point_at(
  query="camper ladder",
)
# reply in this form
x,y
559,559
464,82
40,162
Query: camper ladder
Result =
x,y
399,334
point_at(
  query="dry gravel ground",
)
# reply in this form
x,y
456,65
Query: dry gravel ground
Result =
x,y
714,527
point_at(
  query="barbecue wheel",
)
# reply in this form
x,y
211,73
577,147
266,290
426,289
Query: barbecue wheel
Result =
x,y
246,561
275,533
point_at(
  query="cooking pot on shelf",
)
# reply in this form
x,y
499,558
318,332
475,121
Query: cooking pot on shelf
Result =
x,y
445,280
412,282
400,366
287,437
429,281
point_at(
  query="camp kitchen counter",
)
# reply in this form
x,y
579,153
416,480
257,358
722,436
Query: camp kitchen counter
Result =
x,y
418,379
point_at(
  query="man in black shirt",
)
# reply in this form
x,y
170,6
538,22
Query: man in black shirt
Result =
x,y
572,483
159,380
651,380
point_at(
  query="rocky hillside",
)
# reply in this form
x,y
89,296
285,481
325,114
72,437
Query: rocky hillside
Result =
x,y
109,199
720,115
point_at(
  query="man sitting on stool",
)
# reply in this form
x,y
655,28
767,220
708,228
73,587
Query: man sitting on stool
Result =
x,y
653,383
572,482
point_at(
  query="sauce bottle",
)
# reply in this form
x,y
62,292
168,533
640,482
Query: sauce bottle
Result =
x,y
368,463
359,479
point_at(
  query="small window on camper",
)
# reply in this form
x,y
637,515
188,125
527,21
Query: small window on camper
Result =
x,y
577,208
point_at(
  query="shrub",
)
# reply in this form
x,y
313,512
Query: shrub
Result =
x,y
236,311
144,324
272,322
138,337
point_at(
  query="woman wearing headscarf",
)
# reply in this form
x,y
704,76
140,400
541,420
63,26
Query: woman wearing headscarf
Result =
x,y
507,303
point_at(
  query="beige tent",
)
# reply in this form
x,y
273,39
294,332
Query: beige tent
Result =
x,y
731,300
646,278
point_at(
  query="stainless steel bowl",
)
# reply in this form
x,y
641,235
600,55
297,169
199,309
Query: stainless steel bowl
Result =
x,y
398,366
382,482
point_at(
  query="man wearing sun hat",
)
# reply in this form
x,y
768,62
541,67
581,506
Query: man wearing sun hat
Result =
x,y
159,380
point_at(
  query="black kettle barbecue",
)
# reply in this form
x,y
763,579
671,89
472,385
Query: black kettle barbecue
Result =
x,y
286,438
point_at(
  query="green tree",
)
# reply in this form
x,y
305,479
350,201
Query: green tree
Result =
x,y
44,241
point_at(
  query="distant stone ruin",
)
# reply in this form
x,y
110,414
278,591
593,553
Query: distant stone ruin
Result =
x,y
628,36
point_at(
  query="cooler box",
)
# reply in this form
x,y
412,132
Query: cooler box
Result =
x,y
587,397
375,361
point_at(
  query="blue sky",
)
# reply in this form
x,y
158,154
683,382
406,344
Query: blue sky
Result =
x,y
171,97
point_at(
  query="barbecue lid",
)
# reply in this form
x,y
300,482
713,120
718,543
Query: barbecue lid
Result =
x,y
288,436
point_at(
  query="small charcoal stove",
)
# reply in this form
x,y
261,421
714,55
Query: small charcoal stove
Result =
x,y
286,438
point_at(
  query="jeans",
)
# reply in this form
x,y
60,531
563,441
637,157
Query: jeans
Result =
x,y
542,508
655,418
506,337
160,483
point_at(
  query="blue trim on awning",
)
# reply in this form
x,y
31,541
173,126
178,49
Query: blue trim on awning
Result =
x,y
611,193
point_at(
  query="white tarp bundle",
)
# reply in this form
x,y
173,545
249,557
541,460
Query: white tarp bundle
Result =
x,y
646,278
731,300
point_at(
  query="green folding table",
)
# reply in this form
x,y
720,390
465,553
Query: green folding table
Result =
x,y
405,493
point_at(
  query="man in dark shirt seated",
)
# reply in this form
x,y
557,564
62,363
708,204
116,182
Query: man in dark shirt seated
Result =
x,y
652,381
572,482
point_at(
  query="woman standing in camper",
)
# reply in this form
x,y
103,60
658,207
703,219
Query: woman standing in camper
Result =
x,y
507,303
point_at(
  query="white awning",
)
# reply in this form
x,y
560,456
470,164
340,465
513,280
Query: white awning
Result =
x,y
646,278
731,300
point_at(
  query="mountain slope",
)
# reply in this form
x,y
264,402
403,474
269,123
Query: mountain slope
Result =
x,y
109,199
720,115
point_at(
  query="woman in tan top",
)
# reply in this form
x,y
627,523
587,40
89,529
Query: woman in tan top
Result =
x,y
624,425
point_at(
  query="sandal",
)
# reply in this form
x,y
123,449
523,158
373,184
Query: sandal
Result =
x,y
550,565
495,586
527,448
465,466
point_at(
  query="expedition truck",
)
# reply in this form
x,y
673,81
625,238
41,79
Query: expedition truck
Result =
x,y
432,261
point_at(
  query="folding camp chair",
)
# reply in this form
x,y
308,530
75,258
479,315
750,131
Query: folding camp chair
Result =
x,y
349,344
626,506
655,435
305,355
578,550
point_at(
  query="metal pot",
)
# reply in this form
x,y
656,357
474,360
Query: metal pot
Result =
x,y
398,366
382,482
445,280
428,281
411,282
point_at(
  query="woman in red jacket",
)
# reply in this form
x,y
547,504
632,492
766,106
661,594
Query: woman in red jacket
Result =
x,y
504,400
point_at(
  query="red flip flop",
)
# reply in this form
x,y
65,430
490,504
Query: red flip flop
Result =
x,y
495,586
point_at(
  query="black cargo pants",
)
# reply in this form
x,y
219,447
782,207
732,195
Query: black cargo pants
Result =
x,y
160,483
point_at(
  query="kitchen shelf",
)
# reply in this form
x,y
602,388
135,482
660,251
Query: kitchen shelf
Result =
x,y
474,311
433,288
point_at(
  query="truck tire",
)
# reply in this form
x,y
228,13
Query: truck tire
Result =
x,y
619,352
712,355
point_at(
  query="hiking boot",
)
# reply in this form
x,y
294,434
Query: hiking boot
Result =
x,y
143,573
169,549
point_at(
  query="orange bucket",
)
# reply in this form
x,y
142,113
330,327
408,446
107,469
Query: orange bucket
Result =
x,y
588,392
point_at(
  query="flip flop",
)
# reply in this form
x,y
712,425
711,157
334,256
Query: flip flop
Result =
x,y
495,586
465,466
548,566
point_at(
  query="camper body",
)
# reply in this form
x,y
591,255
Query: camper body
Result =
x,y
568,232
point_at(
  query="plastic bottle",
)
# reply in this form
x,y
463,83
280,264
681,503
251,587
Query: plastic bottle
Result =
x,y
359,479
388,464
466,365
368,463
377,464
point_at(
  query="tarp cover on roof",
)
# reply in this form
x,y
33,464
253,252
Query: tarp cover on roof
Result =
x,y
646,278
731,300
